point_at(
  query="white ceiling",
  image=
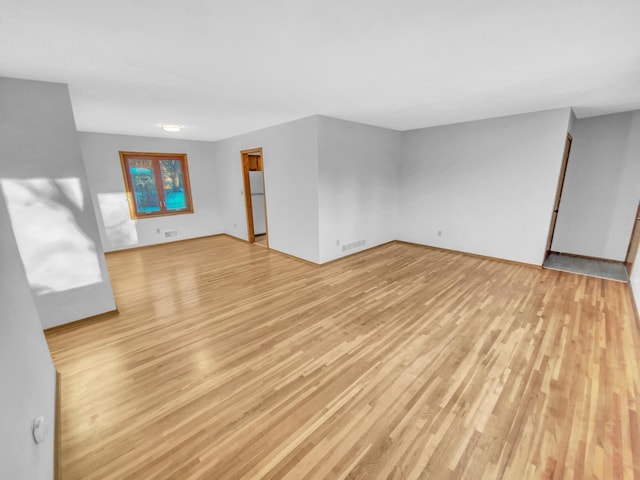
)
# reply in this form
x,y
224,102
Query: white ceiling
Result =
x,y
221,68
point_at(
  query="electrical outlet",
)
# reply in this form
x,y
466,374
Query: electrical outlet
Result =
x,y
337,243
439,233
157,230
234,225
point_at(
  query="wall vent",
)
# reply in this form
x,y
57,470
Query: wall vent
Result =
x,y
346,247
171,233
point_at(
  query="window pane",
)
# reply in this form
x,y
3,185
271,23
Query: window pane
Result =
x,y
173,185
144,185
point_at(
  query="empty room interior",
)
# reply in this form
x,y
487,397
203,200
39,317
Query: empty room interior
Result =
x,y
319,240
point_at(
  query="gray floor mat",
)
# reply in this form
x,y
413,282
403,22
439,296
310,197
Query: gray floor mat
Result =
x,y
587,266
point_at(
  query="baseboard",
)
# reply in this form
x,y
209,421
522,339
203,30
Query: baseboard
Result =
x,y
486,257
468,254
233,237
333,260
309,262
57,436
78,323
635,306
139,247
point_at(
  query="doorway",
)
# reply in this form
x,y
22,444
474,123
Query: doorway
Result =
x,y
556,203
254,196
633,243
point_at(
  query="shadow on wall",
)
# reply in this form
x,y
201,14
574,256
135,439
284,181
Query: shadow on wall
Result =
x,y
118,226
50,232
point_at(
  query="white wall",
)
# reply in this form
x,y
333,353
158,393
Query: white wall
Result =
x,y
572,123
117,229
488,185
634,279
53,215
358,185
290,155
602,187
27,376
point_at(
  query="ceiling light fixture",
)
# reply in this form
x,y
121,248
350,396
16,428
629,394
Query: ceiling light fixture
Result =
x,y
171,127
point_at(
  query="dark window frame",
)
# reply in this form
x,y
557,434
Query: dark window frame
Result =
x,y
155,158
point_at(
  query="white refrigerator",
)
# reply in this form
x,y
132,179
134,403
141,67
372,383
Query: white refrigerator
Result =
x,y
256,184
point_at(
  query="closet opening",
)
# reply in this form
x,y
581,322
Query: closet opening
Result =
x,y
254,196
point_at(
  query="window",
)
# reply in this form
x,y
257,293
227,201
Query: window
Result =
x,y
157,183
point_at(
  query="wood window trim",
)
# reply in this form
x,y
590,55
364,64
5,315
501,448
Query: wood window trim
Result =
x,y
156,157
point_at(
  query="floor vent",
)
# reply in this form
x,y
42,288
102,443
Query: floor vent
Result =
x,y
171,233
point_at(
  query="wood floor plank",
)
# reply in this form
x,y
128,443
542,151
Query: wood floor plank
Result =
x,y
228,361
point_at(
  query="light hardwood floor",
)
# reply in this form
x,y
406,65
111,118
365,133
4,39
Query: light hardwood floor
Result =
x,y
261,240
230,361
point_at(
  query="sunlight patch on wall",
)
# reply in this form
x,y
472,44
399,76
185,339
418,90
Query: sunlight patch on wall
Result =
x,y
118,226
71,189
46,215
